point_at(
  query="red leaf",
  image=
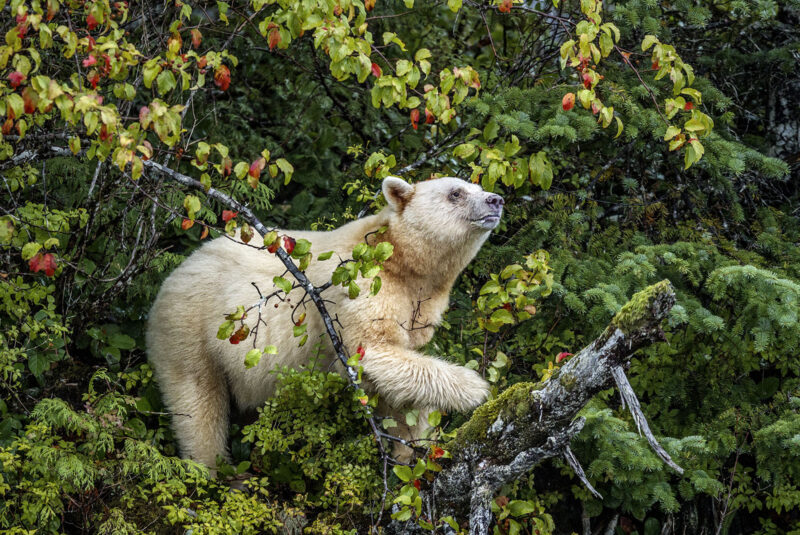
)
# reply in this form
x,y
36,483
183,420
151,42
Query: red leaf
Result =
x,y
256,167
587,80
29,99
144,111
595,108
505,6
437,452
197,38
91,22
416,484
202,62
222,77
43,262
227,215
561,356
568,102
16,78
414,118
22,18
105,135
246,234
240,335
288,244
227,166
91,44
361,352
94,79
300,319
376,70
7,126
186,224
429,117
91,60
274,38
655,66
274,247
204,234
369,4
688,106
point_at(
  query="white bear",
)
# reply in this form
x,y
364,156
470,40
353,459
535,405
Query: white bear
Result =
x,y
436,228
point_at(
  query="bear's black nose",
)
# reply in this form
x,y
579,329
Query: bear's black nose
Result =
x,y
495,201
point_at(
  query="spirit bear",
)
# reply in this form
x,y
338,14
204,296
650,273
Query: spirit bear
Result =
x,y
436,228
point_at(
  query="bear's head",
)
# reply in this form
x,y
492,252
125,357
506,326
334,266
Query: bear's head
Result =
x,y
437,226
445,209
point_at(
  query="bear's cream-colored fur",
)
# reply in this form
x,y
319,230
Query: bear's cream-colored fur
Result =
x,y
436,228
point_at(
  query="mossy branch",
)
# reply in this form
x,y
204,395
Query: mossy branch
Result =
x,y
531,422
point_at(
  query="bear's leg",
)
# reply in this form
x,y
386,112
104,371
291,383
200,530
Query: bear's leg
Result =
x,y
407,378
199,400
410,433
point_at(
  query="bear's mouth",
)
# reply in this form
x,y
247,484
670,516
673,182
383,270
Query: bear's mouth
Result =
x,y
488,221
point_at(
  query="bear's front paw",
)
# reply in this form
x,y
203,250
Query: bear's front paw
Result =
x,y
471,389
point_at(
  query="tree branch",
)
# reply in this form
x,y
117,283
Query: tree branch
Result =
x,y
531,422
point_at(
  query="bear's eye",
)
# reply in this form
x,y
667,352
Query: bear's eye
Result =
x,y
455,195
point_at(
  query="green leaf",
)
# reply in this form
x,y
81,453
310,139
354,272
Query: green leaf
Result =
x,y
301,248
353,290
225,330
286,167
166,82
270,237
325,256
252,358
283,284
39,363
501,316
405,513
454,5
649,40
383,251
434,418
491,130
521,507
121,341
270,350
192,205
30,249
388,423
375,287
403,472
411,417
463,151
672,131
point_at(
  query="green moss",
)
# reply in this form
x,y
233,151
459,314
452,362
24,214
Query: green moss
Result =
x,y
636,311
513,402
568,381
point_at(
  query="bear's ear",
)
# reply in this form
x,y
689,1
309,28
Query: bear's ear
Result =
x,y
397,192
